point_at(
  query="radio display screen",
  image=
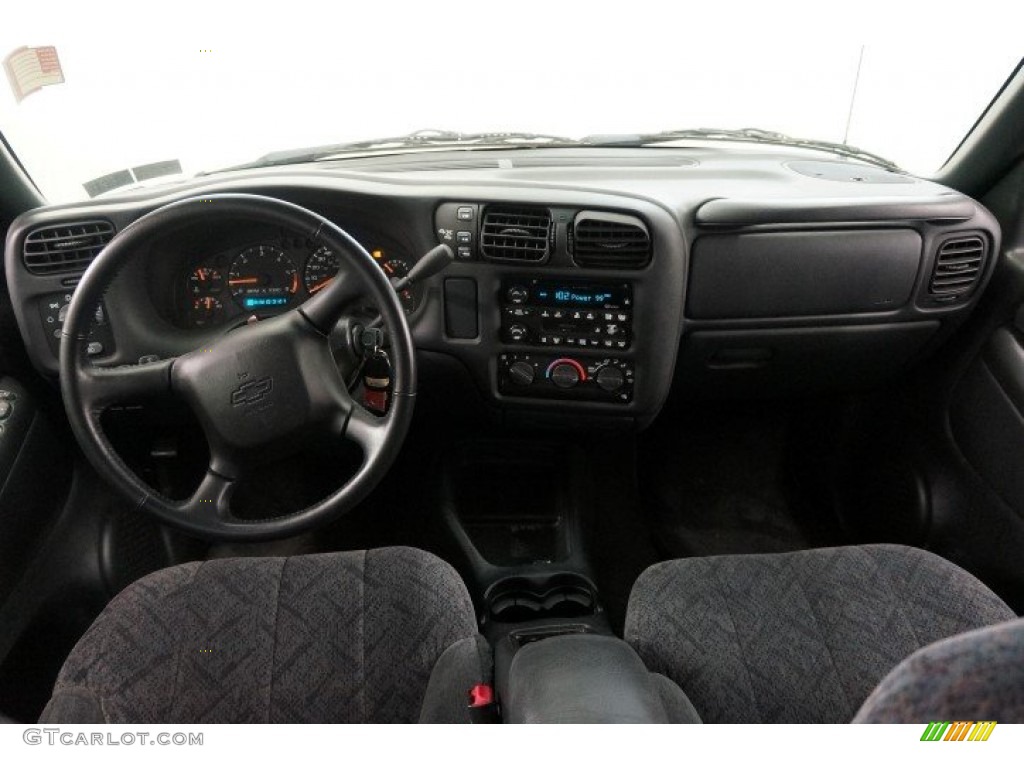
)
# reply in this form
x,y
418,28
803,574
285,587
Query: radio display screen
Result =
x,y
550,293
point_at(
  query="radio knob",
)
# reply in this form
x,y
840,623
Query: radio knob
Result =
x,y
521,373
610,378
517,294
518,332
565,375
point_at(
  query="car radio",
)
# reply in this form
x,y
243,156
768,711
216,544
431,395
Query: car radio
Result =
x,y
567,313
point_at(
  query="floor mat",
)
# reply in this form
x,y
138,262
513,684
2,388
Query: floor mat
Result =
x,y
728,482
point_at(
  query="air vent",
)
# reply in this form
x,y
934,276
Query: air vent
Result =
x,y
65,247
516,234
610,240
958,266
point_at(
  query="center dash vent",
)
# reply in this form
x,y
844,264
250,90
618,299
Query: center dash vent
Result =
x,y
958,265
610,240
65,248
516,234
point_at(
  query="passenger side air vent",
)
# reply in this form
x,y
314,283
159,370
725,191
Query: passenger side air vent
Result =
x,y
610,240
65,248
958,265
516,234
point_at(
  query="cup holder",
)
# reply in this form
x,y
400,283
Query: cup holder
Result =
x,y
525,598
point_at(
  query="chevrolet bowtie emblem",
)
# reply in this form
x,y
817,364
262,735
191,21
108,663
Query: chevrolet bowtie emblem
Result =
x,y
252,391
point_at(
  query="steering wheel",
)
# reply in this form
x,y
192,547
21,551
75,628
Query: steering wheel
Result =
x,y
263,387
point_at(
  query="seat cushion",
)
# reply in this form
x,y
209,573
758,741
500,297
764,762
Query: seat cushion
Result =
x,y
340,637
799,637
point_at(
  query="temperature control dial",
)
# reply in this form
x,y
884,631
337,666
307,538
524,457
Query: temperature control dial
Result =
x,y
566,373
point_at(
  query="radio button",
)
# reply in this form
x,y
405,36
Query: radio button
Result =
x,y
517,294
518,332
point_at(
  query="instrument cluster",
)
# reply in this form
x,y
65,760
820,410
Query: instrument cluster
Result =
x,y
270,277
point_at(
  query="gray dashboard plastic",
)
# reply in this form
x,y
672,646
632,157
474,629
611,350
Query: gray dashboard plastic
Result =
x,y
726,192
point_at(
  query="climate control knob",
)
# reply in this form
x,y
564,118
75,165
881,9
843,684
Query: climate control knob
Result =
x,y
521,373
610,378
565,374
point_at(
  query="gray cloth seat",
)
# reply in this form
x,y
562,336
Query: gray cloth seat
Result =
x,y
385,635
801,637
978,675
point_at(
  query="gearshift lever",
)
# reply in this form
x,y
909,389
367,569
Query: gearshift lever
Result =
x,y
433,261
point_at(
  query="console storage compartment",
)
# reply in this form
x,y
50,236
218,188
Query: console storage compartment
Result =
x,y
589,678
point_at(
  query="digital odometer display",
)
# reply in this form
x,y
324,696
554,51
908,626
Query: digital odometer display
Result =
x,y
255,302
604,295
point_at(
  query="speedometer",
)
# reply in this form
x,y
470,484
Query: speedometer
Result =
x,y
263,276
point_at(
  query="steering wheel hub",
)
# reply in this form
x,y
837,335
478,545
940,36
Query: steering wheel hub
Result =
x,y
261,384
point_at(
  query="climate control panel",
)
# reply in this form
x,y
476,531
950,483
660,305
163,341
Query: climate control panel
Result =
x,y
580,377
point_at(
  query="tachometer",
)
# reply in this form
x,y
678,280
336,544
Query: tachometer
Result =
x,y
263,276
321,268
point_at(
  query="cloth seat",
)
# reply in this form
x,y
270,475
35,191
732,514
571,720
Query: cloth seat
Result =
x,y
800,637
385,635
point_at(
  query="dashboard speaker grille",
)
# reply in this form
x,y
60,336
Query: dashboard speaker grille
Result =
x,y
64,248
958,265
610,240
516,234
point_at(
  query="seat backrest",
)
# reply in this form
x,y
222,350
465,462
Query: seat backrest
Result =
x,y
978,675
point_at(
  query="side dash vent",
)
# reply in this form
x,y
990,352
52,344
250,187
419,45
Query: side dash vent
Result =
x,y
65,248
958,265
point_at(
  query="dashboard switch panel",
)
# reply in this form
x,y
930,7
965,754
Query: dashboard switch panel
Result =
x,y
576,377
567,313
455,224
53,310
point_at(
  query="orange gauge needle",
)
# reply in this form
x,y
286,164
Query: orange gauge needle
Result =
x,y
295,283
244,281
389,269
318,286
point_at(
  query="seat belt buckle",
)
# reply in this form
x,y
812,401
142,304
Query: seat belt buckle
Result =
x,y
483,709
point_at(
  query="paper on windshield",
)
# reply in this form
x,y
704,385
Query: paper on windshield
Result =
x,y
30,69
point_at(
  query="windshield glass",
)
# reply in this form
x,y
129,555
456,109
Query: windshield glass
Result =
x,y
201,86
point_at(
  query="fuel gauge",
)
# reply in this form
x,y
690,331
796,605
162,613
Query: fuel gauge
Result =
x,y
206,310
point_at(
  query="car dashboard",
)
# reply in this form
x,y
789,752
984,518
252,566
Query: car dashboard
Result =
x,y
588,286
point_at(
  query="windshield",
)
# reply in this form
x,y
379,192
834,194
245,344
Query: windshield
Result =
x,y
201,87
